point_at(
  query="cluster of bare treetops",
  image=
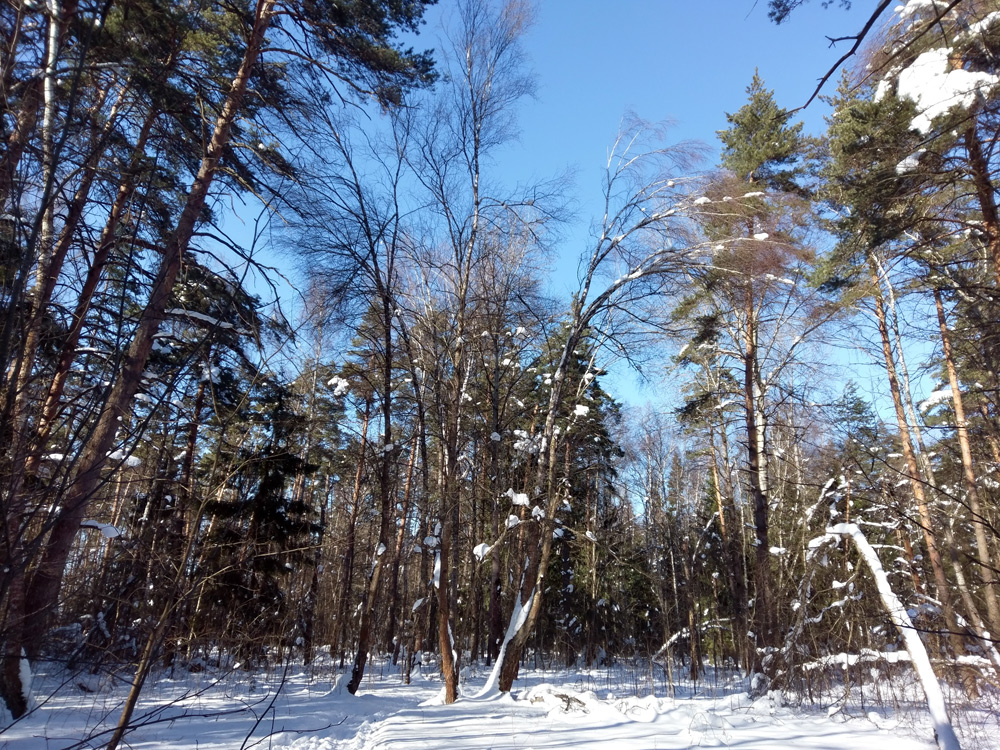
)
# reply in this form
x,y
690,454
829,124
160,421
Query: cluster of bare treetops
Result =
x,y
425,463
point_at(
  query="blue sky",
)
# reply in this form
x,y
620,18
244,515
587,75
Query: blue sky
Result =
x,y
688,62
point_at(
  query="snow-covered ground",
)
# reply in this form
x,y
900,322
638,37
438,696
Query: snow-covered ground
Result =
x,y
308,710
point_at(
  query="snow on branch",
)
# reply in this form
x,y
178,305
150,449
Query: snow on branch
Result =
x,y
108,531
943,730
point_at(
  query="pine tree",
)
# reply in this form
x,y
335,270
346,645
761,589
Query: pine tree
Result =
x,y
900,206
754,287
761,146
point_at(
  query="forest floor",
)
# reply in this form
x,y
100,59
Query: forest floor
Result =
x,y
622,707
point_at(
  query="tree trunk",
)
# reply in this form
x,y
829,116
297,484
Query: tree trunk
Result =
x,y
387,503
68,350
397,556
539,545
153,641
969,475
50,267
347,567
44,588
732,545
12,687
985,193
312,595
446,642
763,595
24,126
495,619
913,473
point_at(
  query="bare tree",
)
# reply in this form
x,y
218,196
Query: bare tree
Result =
x,y
636,242
473,116
352,222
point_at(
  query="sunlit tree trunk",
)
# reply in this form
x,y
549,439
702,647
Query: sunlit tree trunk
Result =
x,y
341,631
397,555
387,497
986,573
44,587
913,471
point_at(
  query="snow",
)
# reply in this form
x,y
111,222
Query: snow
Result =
x,y
911,162
481,550
947,740
26,677
937,88
201,317
844,660
939,396
518,498
107,530
129,461
341,386
981,27
517,620
913,6
582,709
702,201
512,521
525,443
581,410
761,236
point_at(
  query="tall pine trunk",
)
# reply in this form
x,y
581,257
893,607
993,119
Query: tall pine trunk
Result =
x,y
979,525
43,590
913,471
387,504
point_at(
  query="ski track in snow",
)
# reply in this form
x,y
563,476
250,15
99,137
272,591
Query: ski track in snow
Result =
x,y
545,710
561,718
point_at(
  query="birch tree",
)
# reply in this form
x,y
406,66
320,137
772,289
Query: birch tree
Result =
x,y
633,241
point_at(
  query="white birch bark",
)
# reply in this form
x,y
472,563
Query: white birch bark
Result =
x,y
944,732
